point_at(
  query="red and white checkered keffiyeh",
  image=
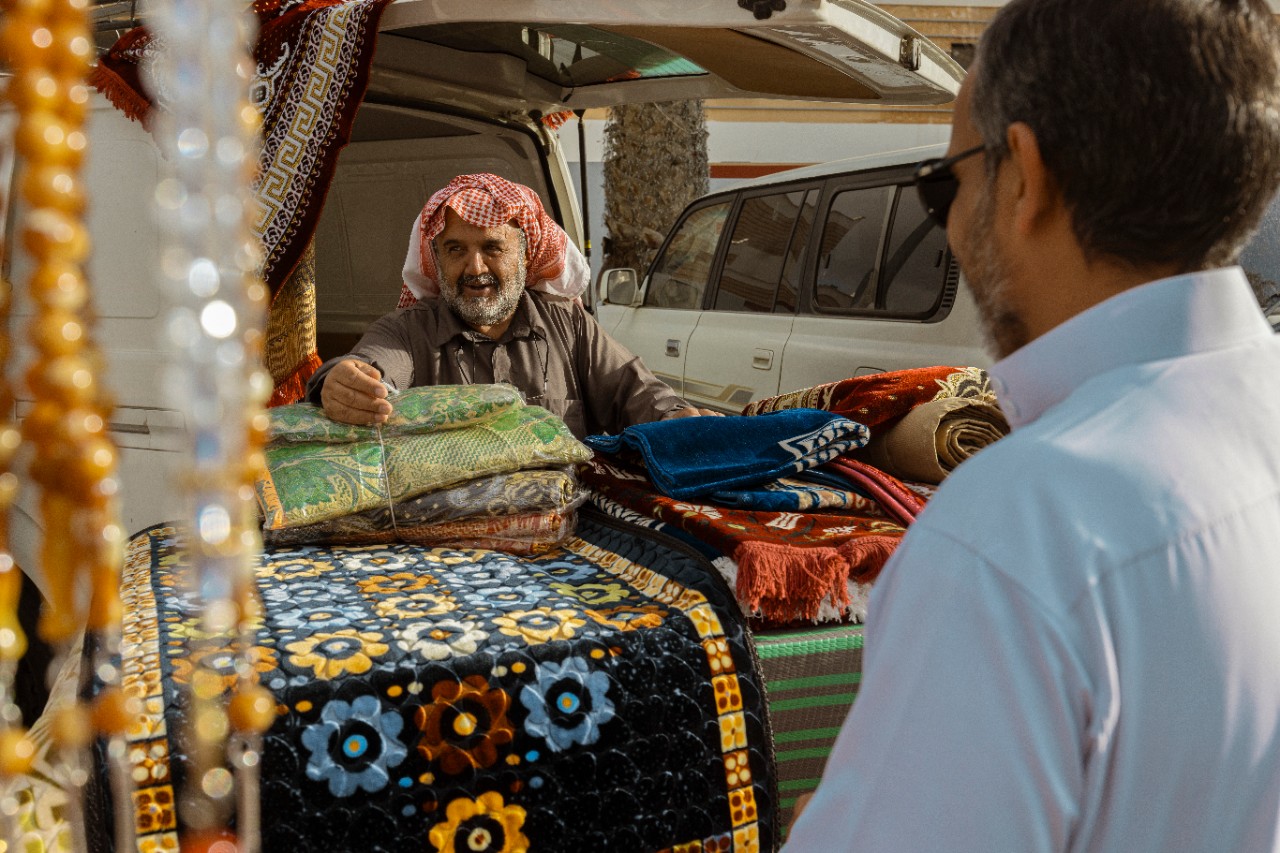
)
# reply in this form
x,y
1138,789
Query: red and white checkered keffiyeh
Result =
x,y
553,264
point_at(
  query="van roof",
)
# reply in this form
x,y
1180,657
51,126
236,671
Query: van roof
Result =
x,y
878,160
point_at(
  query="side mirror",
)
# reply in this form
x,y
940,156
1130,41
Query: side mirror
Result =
x,y
621,287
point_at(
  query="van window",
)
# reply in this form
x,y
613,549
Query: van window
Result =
x,y
680,274
915,267
758,251
846,279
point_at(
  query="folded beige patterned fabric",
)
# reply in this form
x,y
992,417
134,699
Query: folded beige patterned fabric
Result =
x,y
935,437
525,534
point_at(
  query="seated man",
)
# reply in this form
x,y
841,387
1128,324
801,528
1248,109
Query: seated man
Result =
x,y
490,287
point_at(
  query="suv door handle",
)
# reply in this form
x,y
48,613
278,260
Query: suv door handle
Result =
x,y
762,359
673,347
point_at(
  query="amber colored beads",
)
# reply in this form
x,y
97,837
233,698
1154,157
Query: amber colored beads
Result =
x,y
252,709
115,712
51,48
16,752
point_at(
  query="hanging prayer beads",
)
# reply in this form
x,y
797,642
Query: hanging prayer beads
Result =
x,y
16,750
50,48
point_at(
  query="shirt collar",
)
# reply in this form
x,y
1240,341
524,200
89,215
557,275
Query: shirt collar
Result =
x,y
449,325
1184,314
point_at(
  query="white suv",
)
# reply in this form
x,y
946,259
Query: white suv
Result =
x,y
814,275
799,278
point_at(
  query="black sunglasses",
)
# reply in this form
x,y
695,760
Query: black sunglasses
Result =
x,y
937,184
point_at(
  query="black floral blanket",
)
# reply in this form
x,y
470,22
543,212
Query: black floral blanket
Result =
x,y
605,696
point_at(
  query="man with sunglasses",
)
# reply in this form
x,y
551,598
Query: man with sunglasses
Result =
x,y
1077,645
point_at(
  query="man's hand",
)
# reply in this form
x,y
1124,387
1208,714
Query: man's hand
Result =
x,y
691,412
353,393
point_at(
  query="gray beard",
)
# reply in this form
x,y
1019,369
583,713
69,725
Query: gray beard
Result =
x,y
484,310
987,275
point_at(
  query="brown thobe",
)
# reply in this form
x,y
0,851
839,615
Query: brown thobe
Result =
x,y
553,351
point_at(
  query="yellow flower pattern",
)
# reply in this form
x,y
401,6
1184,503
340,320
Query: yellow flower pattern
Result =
x,y
483,825
400,583
541,625
593,594
343,652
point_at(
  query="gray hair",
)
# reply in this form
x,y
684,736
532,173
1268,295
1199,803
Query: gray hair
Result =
x,y
1159,119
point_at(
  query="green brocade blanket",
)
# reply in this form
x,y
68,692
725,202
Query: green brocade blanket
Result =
x,y
413,412
442,436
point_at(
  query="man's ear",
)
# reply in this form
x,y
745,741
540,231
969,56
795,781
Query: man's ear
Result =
x,y
1036,193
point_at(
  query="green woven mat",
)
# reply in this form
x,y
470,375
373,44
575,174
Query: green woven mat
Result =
x,y
812,676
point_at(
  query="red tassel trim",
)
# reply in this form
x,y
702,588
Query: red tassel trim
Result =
x,y
867,555
121,95
783,582
291,388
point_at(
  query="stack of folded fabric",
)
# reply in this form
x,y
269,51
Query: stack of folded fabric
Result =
x,y
459,465
801,536
743,491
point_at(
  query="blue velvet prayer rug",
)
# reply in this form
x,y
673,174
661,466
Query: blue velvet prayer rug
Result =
x,y
693,457
793,495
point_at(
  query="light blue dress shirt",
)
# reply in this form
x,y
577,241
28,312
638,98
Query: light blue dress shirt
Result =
x,y
1077,645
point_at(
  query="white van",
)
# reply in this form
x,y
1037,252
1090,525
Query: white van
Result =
x,y
802,277
456,87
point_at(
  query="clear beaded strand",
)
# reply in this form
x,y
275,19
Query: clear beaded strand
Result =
x,y
210,270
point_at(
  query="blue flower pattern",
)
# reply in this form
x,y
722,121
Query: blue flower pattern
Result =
x,y
320,618
353,746
568,570
507,598
320,593
568,704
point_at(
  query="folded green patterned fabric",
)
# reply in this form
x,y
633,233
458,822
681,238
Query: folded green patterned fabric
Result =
x,y
418,410
310,481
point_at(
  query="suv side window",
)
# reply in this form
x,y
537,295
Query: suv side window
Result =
x,y
915,266
862,272
679,276
846,279
758,251
789,288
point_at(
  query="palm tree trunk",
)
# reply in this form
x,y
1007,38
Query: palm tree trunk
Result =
x,y
655,163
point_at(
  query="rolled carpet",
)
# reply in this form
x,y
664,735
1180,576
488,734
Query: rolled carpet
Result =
x,y
934,437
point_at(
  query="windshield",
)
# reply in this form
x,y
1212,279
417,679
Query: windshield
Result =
x,y
568,55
